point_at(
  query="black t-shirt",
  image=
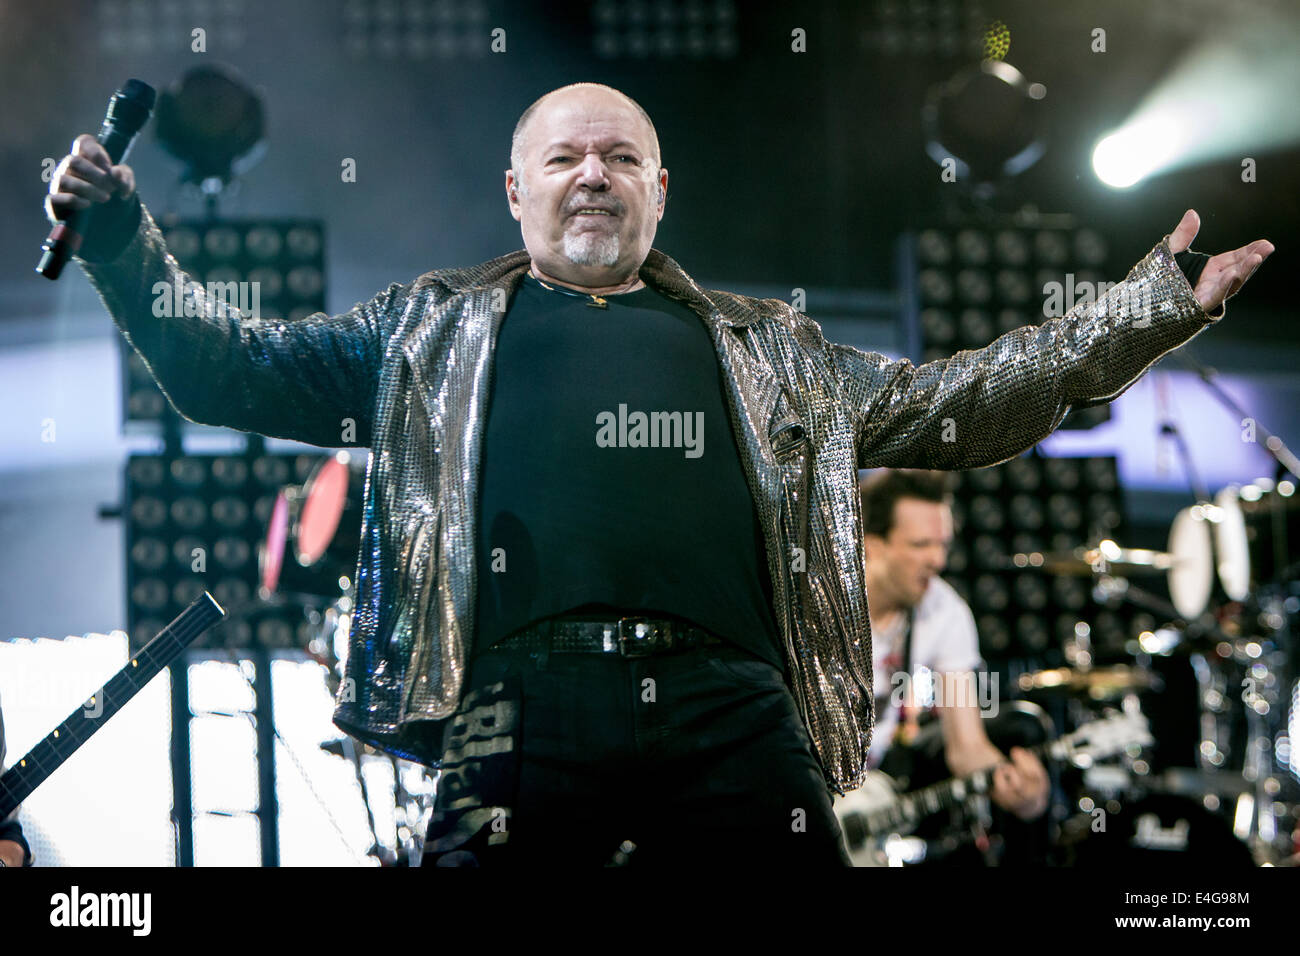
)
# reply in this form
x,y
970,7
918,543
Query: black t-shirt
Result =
x,y
611,480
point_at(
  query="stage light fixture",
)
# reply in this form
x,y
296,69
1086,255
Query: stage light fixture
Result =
x,y
987,119
212,121
976,328
933,247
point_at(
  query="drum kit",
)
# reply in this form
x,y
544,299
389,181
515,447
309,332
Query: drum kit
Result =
x,y
307,560
1220,673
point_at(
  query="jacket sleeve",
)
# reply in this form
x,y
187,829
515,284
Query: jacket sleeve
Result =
x,y
303,380
983,407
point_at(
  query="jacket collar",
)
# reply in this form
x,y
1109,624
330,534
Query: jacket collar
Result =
x,y
659,271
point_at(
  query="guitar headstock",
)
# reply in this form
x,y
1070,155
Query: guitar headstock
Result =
x,y
1105,737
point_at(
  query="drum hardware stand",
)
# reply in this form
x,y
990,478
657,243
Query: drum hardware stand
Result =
x,y
347,749
410,808
321,650
1255,820
1078,647
1275,446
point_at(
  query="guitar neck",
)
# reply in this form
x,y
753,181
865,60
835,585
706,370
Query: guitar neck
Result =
x,y
28,773
950,793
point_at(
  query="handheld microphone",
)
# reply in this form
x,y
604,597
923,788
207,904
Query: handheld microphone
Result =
x,y
128,111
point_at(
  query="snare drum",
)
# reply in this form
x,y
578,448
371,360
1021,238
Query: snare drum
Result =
x,y
329,526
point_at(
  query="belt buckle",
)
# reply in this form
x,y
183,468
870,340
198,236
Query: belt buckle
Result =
x,y
638,637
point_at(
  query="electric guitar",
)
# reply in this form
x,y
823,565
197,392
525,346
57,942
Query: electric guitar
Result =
x,y
877,809
62,742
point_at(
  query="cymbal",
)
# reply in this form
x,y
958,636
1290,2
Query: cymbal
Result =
x,y
1099,683
1106,558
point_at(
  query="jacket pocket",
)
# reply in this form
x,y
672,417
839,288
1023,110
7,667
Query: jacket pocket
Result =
x,y
786,435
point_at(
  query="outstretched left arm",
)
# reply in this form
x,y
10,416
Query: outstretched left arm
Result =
x,y
983,407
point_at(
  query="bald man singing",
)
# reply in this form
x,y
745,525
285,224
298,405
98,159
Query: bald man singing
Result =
x,y
610,580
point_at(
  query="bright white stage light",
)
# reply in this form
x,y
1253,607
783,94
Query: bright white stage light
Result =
x,y
1231,97
1130,155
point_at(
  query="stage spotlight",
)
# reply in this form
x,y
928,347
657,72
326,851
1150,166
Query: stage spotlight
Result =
x,y
1023,473
984,479
188,472
183,551
958,561
230,512
994,634
148,512
973,247
150,594
1031,592
989,551
977,328
230,472
231,552
189,512
146,472
939,328
1032,632
231,592
986,514
1125,158
1230,98
149,553
987,120
213,122
1027,512
935,286
974,286
1011,247
933,247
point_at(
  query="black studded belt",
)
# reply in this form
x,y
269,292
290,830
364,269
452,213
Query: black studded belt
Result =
x,y
626,636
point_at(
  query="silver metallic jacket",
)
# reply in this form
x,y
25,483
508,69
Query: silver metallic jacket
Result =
x,y
411,371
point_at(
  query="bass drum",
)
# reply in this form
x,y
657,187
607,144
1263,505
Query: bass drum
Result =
x,y
328,530
309,553
1155,832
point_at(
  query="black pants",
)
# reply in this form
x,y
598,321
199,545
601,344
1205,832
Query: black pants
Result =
x,y
592,759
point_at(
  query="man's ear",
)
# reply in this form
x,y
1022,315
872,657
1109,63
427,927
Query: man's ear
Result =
x,y
512,194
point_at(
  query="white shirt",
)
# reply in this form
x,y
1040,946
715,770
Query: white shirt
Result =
x,y
944,641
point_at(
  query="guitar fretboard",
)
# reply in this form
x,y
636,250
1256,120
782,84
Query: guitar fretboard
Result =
x,y
62,742
913,806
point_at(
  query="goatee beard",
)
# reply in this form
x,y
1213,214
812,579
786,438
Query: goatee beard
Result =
x,y
589,249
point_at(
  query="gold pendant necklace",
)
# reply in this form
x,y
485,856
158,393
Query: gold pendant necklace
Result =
x,y
597,302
